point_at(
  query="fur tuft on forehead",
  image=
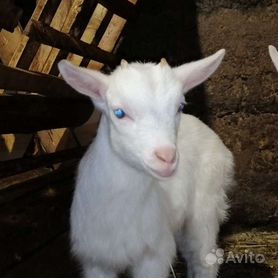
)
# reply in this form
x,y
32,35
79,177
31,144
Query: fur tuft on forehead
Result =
x,y
148,79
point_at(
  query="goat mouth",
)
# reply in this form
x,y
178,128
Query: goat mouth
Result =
x,y
164,173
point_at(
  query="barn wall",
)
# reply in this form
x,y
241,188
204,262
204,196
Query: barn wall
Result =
x,y
243,99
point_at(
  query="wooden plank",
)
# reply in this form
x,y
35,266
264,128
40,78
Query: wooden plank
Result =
x,y
21,188
112,33
79,26
22,80
134,2
83,18
13,145
122,8
52,13
8,44
16,166
102,27
90,31
56,139
47,35
26,114
58,21
70,19
108,37
43,11
97,37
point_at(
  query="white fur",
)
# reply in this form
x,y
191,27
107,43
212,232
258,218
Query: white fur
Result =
x,y
273,55
125,214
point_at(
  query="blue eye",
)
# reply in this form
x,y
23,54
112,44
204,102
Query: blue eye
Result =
x,y
181,107
119,113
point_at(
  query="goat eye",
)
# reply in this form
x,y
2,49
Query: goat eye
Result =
x,y
119,113
181,107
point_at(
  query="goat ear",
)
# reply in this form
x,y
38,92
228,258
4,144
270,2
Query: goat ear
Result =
x,y
88,82
194,73
273,55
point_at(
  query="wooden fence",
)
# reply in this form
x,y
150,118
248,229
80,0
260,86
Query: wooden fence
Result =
x,y
43,120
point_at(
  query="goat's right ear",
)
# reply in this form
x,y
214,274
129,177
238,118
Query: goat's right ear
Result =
x,y
194,73
273,55
88,82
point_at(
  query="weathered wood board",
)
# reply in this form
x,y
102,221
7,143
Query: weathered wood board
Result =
x,y
96,23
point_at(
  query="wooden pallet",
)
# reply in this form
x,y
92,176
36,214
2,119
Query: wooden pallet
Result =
x,y
86,32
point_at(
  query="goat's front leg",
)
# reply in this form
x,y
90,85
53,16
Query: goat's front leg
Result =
x,y
93,271
155,263
150,267
197,240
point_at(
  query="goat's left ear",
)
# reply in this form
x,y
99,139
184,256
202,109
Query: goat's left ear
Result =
x,y
194,73
273,55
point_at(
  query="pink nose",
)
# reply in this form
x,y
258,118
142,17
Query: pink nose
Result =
x,y
166,154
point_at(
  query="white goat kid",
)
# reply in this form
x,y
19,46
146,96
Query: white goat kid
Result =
x,y
273,53
152,178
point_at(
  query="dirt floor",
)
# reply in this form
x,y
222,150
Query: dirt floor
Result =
x,y
239,102
34,240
